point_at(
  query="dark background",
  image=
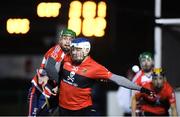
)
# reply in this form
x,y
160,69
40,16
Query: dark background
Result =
x,y
130,31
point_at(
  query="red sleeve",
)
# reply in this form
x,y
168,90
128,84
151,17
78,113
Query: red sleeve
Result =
x,y
49,52
56,53
67,58
171,94
137,78
102,72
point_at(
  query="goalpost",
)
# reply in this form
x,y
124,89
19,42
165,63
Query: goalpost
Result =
x,y
158,32
158,41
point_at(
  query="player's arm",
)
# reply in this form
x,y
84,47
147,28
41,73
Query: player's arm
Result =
x,y
51,69
133,105
172,100
173,109
122,81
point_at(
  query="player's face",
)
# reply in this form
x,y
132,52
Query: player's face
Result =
x,y
146,64
77,54
65,42
158,82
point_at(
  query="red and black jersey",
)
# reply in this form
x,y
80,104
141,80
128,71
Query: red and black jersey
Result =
x,y
159,104
77,81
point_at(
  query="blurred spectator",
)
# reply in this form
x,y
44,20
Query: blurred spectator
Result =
x,y
124,96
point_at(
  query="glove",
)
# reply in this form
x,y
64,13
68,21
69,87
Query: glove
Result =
x,y
47,91
147,91
42,77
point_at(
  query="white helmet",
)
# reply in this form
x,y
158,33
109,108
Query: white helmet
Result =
x,y
83,44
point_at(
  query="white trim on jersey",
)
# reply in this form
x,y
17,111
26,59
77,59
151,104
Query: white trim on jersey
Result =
x,y
137,76
44,60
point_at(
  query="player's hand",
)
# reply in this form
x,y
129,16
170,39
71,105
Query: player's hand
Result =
x,y
147,91
55,90
48,91
42,80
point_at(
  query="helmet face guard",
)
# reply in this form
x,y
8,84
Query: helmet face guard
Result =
x,y
80,48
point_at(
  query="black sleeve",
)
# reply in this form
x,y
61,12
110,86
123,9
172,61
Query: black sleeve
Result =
x,y
50,68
